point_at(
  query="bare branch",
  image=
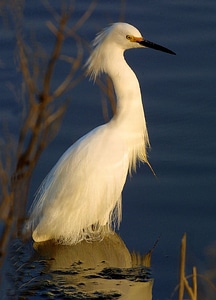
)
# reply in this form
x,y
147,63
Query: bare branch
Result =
x,y
85,16
42,115
67,83
55,55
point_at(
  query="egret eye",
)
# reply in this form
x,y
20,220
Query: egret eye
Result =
x,y
129,37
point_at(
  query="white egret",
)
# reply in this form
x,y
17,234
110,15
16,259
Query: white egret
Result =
x,y
81,196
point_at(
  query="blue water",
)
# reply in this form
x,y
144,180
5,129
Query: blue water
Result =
x,y
179,100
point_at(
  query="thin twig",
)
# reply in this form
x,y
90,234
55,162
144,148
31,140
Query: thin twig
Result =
x,y
194,280
182,267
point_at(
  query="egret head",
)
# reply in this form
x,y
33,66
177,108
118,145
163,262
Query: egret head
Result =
x,y
127,37
122,34
117,37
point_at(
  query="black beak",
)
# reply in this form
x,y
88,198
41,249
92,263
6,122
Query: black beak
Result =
x,y
149,44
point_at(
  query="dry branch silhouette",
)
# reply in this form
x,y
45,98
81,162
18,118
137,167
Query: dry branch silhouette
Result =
x,y
43,113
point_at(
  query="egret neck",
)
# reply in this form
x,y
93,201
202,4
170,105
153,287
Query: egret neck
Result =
x,y
129,117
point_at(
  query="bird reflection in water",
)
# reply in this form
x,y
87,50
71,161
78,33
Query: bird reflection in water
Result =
x,y
97,270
